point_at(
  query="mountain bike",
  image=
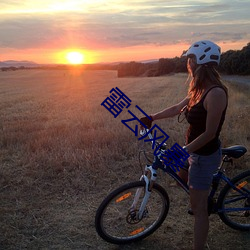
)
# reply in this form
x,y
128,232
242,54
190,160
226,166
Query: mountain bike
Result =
x,y
137,209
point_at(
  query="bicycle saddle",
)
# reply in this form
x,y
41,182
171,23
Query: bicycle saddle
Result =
x,y
234,151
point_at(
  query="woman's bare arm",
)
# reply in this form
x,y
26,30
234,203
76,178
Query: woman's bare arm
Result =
x,y
171,111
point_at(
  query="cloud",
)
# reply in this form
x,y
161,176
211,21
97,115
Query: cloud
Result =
x,y
114,24
210,8
221,36
25,32
8,3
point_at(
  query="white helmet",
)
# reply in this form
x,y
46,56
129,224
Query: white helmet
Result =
x,y
205,52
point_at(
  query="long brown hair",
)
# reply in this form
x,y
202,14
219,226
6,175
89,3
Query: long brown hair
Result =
x,y
201,75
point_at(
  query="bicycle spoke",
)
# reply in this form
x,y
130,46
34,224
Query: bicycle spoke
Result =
x,y
115,216
236,204
120,221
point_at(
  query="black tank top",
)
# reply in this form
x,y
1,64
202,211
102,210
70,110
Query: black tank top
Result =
x,y
196,117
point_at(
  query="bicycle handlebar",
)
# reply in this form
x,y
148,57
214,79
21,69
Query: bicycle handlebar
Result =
x,y
150,136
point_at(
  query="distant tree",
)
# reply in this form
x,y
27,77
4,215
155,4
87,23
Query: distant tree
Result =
x,y
166,66
245,60
236,61
232,62
134,69
180,64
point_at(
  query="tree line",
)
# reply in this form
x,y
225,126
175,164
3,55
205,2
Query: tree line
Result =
x,y
233,62
236,62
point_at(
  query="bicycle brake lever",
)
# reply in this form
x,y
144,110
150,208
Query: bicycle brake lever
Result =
x,y
144,131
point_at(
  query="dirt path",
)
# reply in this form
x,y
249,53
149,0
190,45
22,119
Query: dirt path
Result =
x,y
237,79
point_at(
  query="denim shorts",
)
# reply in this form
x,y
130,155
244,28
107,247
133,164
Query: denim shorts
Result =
x,y
202,168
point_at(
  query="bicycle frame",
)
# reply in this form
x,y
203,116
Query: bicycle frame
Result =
x,y
220,176
150,175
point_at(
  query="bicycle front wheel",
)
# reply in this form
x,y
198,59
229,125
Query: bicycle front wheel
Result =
x,y
234,206
117,223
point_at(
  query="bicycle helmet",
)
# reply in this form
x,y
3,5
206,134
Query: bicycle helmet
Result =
x,y
205,52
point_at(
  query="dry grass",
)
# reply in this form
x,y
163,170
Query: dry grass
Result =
x,y
61,152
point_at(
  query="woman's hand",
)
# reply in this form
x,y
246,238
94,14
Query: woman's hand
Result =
x,y
147,122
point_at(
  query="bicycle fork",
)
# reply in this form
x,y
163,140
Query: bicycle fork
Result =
x,y
149,177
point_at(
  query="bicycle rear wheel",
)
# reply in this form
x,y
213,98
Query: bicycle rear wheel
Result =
x,y
233,206
116,223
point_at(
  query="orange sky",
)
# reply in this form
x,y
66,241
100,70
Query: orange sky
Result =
x,y
135,53
111,31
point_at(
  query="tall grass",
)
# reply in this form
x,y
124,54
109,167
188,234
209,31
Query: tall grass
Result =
x,y
59,146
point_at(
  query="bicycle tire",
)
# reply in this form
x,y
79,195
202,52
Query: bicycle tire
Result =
x,y
111,219
229,198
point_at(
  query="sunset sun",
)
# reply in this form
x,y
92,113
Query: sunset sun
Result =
x,y
75,57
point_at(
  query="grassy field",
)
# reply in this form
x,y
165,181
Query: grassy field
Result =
x,y
61,153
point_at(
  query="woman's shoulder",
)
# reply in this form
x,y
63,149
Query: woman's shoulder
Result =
x,y
217,91
216,96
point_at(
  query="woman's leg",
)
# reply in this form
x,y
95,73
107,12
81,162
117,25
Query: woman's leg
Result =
x,y
201,173
198,199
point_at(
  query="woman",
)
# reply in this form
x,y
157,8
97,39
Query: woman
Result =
x,y
206,107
